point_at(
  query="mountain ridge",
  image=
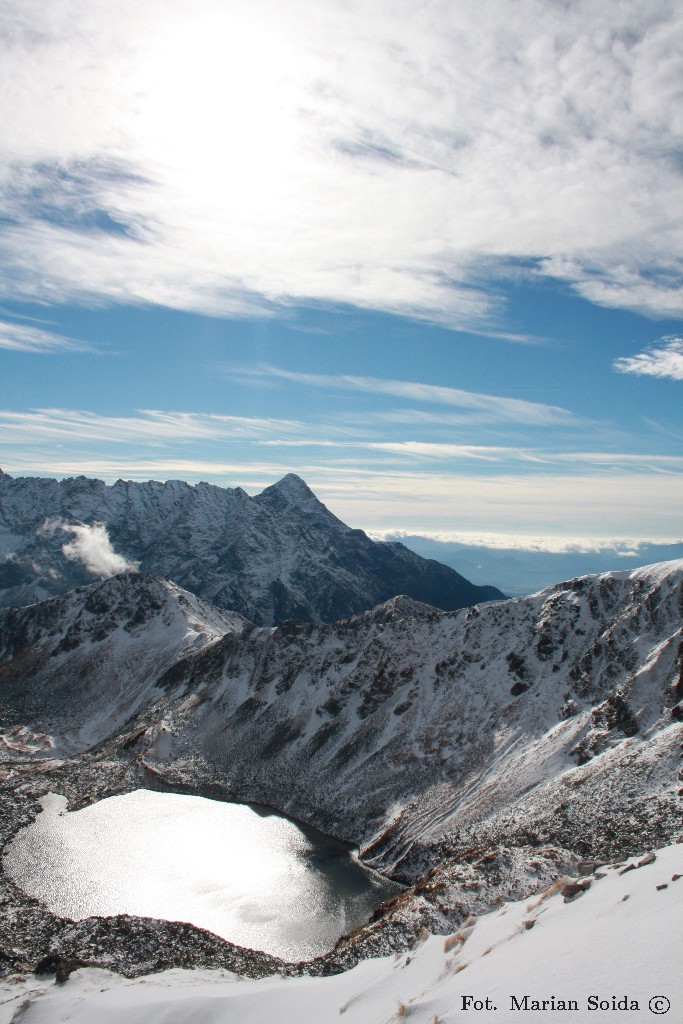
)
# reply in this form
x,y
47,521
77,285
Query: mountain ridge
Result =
x,y
277,555
398,697
473,755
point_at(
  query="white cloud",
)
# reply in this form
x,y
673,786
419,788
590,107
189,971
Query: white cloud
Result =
x,y
228,158
604,461
406,460
622,546
445,452
492,408
644,283
92,547
148,426
549,504
663,360
24,338
163,444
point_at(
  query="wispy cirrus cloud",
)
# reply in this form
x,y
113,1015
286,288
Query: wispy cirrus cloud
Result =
x,y
66,434
494,408
148,426
504,455
604,462
73,429
395,159
24,338
664,359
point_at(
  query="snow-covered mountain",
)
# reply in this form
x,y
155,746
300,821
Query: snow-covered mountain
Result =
x,y
474,755
90,658
407,729
278,555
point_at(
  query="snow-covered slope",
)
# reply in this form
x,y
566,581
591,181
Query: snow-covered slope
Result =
x,y
474,754
75,668
612,953
406,729
278,555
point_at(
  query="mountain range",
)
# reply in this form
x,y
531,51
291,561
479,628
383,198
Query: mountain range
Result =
x,y
447,718
466,753
270,654
277,555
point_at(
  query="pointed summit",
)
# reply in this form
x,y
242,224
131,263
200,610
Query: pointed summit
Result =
x,y
291,489
291,496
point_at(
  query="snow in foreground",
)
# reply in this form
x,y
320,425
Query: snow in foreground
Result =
x,y
618,945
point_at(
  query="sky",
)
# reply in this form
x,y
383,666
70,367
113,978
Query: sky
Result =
x,y
426,254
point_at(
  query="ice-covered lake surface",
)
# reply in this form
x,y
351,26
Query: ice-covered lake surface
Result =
x,y
246,873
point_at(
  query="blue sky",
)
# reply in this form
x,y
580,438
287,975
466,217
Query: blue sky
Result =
x,y
427,255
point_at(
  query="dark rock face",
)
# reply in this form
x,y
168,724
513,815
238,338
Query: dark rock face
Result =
x,y
279,555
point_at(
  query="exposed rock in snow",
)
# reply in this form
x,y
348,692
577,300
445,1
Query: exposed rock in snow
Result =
x,y
278,555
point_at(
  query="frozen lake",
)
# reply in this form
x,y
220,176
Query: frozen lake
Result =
x,y
247,874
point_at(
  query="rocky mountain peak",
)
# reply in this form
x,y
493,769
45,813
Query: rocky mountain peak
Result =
x,y
293,487
294,494
400,607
